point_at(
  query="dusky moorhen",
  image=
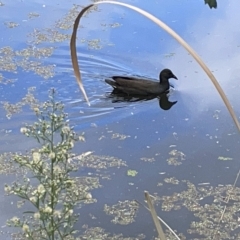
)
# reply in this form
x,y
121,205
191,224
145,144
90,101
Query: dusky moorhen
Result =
x,y
141,86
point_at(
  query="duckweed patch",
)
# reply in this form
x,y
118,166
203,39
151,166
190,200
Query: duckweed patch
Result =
x,y
225,158
11,24
100,162
57,32
123,212
37,67
92,44
33,15
132,173
35,52
119,136
176,157
11,60
7,165
29,100
48,35
66,21
98,233
147,159
7,62
171,180
6,81
206,203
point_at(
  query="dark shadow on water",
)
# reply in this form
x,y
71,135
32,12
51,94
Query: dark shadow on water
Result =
x,y
163,99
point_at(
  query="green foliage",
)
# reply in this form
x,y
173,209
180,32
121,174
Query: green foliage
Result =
x,y
132,173
47,184
211,3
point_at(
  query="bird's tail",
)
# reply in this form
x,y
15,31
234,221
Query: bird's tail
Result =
x,y
111,82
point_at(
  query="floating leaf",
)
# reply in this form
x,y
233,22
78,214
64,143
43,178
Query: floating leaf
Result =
x,y
132,173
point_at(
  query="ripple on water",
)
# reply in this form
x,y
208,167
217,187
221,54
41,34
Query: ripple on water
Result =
x,y
94,70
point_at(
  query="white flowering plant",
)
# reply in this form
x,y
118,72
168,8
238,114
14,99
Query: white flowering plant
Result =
x,y
47,184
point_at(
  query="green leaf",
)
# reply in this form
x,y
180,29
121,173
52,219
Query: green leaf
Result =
x,y
132,173
211,3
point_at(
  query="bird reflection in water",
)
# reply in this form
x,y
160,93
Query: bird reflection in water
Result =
x,y
164,103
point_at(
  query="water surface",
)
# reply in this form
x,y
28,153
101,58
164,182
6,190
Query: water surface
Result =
x,y
115,40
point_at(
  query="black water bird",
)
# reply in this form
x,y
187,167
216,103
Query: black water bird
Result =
x,y
141,86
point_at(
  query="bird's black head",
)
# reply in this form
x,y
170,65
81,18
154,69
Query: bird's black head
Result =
x,y
165,74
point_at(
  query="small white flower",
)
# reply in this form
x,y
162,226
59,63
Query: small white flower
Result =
x,y
36,215
47,209
36,110
69,181
57,214
34,192
63,151
52,155
65,130
7,188
23,130
82,138
33,199
41,189
70,212
15,220
89,196
71,144
36,157
57,169
25,227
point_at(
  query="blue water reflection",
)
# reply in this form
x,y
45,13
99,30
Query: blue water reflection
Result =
x,y
198,125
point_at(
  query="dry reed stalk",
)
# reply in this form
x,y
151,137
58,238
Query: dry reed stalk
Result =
x,y
158,226
160,219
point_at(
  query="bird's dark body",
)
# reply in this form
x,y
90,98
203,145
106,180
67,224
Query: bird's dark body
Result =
x,y
141,86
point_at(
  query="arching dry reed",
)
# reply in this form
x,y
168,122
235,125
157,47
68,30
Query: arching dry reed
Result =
x,y
164,27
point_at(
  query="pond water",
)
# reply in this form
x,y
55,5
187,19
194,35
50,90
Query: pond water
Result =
x,y
189,153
